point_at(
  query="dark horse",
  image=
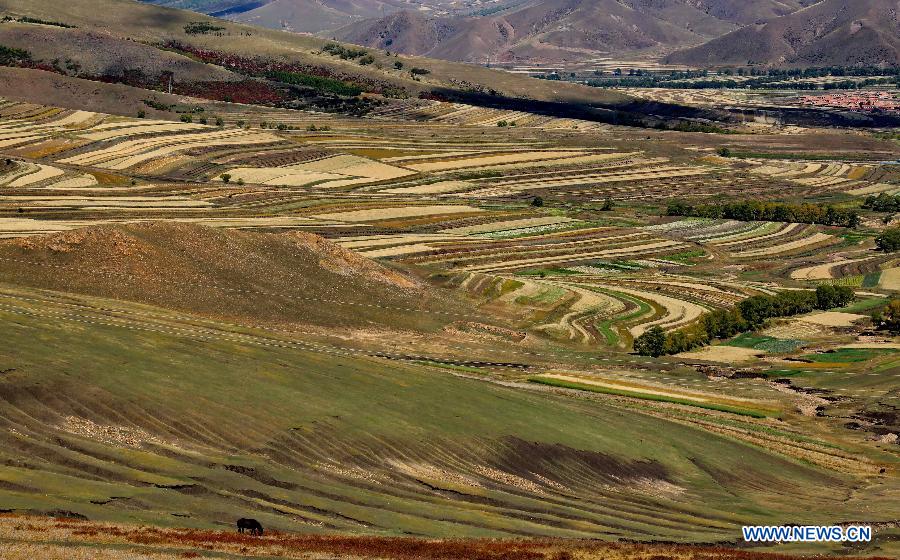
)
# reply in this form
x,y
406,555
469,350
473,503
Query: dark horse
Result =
x,y
251,525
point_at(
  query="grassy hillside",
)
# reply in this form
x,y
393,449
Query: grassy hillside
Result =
x,y
114,413
150,24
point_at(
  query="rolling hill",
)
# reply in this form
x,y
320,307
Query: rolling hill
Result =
x,y
546,30
536,30
119,412
153,31
831,32
258,277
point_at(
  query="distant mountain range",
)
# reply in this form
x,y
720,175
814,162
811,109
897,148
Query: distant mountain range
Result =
x,y
831,32
689,32
557,30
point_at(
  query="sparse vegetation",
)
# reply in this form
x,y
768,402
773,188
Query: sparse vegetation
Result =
x,y
10,56
202,28
345,53
888,318
38,21
325,85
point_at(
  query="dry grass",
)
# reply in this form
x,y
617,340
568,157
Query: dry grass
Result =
x,y
832,319
724,354
890,279
26,538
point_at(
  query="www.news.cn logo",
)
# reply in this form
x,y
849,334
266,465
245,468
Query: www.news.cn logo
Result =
x,y
807,533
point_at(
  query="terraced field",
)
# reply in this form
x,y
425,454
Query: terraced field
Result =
x,y
426,328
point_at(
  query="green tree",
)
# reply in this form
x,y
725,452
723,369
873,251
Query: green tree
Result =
x,y
651,343
889,240
830,297
226,177
755,310
537,202
888,318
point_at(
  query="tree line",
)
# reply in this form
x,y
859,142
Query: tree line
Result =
x,y
755,210
748,315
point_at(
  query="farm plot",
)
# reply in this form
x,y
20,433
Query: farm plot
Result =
x,y
278,176
632,178
677,312
829,270
468,115
890,279
130,153
557,254
746,239
722,354
366,170
489,161
519,225
814,239
440,187
376,214
39,173
822,176
588,307
832,319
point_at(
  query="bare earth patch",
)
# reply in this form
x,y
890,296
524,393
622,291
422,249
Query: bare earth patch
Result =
x,y
832,319
724,354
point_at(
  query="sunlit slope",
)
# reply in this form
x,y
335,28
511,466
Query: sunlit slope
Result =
x,y
281,279
153,25
108,414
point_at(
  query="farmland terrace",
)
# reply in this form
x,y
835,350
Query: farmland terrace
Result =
x,y
421,322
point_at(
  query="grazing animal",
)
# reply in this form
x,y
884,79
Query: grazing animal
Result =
x,y
251,525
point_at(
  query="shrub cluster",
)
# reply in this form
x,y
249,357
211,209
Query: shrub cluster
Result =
x,y
202,28
884,202
320,83
26,19
755,210
748,315
889,240
888,318
10,56
345,53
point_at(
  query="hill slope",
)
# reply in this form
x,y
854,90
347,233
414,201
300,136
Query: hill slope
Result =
x,y
108,416
832,32
130,21
260,277
563,29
